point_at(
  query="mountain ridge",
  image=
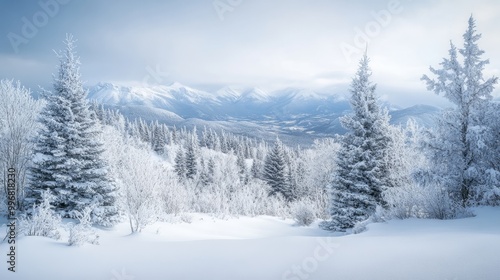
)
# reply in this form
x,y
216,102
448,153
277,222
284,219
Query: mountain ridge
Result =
x,y
295,113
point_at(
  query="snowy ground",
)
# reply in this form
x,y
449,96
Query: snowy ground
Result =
x,y
271,248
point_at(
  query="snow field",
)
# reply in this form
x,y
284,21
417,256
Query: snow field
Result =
x,y
266,247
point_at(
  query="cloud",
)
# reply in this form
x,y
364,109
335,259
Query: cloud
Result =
x,y
269,44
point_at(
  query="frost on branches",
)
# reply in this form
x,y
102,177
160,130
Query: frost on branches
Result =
x,y
462,145
68,153
83,232
363,169
43,221
18,126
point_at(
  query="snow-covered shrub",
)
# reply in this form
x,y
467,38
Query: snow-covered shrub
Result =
x,y
211,199
438,204
416,201
303,214
360,226
277,206
140,178
489,192
406,201
175,197
379,216
43,221
319,165
19,112
83,232
250,199
186,218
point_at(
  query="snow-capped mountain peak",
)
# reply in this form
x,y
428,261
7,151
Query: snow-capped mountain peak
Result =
x,y
289,110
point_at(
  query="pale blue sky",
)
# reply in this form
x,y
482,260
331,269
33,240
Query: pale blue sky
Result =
x,y
269,44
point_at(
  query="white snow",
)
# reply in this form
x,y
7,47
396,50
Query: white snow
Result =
x,y
265,247
154,96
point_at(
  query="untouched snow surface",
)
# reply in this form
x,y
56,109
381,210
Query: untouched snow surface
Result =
x,y
264,247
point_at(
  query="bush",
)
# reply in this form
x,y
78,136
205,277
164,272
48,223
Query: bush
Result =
x,y
186,218
428,202
43,220
83,232
377,217
439,205
303,215
406,202
360,227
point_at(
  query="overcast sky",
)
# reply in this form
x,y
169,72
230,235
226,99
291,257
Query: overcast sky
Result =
x,y
269,44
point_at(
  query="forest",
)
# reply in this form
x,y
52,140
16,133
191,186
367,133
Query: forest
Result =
x,y
75,159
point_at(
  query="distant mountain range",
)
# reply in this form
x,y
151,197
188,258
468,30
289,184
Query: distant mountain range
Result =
x,y
297,115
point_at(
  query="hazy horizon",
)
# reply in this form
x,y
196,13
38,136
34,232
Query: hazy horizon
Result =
x,y
211,44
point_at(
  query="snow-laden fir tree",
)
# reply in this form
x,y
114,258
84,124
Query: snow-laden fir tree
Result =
x,y
68,155
144,131
180,164
242,167
275,171
362,172
159,138
204,177
460,152
191,158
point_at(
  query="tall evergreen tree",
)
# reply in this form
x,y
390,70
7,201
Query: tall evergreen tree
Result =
x,y
459,146
242,167
275,171
362,171
180,164
191,157
204,177
256,169
68,155
211,170
159,139
144,131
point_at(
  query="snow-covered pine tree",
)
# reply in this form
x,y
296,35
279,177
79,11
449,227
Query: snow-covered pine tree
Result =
x,y
216,141
191,158
168,136
180,164
275,169
291,160
68,153
159,139
459,149
362,172
144,131
205,140
256,169
224,147
242,166
204,178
